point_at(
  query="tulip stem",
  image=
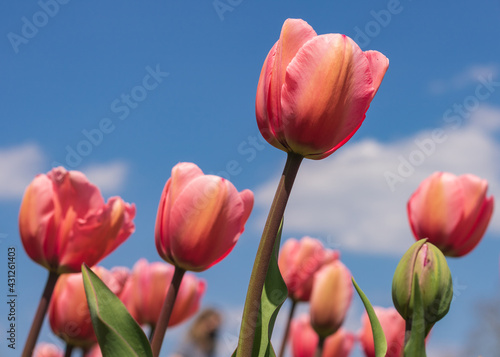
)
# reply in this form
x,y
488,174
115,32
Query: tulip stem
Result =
x,y
407,331
151,333
36,326
287,328
166,311
319,349
264,253
69,350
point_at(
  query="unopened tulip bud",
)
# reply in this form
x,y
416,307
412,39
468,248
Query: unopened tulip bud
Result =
x,y
425,261
330,298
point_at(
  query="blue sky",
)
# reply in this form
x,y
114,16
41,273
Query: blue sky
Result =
x,y
165,82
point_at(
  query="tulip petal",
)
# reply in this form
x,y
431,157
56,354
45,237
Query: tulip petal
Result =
x,y
474,193
328,88
378,66
477,231
208,207
182,174
294,34
36,218
163,222
248,200
435,209
263,101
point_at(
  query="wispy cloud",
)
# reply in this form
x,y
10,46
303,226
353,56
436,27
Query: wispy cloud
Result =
x,y
18,166
469,76
109,177
350,202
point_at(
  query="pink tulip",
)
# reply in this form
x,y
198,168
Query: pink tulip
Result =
x,y
393,326
94,352
330,298
145,291
299,261
314,91
69,315
304,340
47,350
200,218
64,221
453,212
121,275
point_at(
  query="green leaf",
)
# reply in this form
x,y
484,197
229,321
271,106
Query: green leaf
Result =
x,y
415,347
274,295
378,334
117,332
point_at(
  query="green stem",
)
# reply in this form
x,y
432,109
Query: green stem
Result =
x,y
407,331
152,329
69,350
319,349
36,326
263,257
166,311
287,329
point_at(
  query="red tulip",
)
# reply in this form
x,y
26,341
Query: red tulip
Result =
x,y
69,315
393,326
47,350
299,261
304,340
314,91
200,218
330,298
453,212
65,222
145,291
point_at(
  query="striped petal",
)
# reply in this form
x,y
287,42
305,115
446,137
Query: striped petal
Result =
x,y
327,90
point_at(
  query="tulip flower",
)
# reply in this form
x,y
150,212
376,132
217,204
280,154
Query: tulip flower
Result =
x,y
200,218
330,298
146,289
314,91
452,212
121,275
427,262
299,261
69,315
304,340
393,326
312,96
47,350
95,351
65,222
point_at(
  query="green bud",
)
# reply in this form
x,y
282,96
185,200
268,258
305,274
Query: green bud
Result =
x,y
426,261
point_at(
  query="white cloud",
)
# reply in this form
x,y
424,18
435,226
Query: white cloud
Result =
x,y
346,199
468,76
18,166
109,177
